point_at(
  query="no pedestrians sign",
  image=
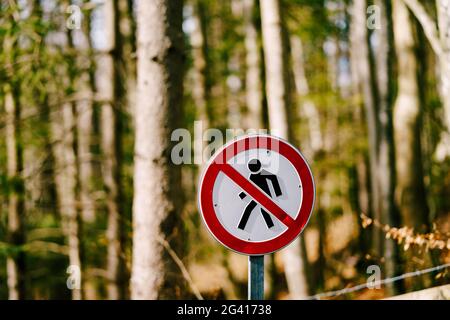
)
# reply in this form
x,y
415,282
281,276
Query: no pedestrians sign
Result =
x,y
256,194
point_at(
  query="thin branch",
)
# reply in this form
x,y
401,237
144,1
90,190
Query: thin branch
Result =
x,y
46,247
183,269
428,25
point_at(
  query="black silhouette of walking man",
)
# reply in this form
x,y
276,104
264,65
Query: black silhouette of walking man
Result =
x,y
259,177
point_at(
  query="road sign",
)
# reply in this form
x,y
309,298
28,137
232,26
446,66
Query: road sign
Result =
x,y
256,194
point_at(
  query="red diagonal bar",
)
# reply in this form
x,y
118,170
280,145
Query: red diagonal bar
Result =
x,y
257,194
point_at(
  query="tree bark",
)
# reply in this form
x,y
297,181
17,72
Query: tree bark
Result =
x,y
277,75
156,205
309,109
410,189
201,91
63,124
440,43
128,36
363,62
84,108
253,82
15,263
386,157
443,15
278,91
202,87
110,94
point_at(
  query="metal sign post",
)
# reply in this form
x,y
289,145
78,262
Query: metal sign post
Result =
x,y
256,196
256,278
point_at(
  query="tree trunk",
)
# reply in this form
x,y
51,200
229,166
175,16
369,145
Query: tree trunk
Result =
x,y
202,87
277,75
84,108
15,263
63,124
278,91
110,95
443,15
410,190
234,65
310,112
364,67
309,109
253,82
128,35
156,206
386,160
201,91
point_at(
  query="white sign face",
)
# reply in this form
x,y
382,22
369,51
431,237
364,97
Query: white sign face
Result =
x,y
230,207
256,195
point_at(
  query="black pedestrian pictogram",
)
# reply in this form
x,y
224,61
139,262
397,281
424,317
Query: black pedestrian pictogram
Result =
x,y
259,177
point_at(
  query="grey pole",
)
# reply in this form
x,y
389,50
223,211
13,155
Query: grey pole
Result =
x,y
256,277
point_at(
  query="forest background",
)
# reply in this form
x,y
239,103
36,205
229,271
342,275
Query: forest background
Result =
x,y
92,205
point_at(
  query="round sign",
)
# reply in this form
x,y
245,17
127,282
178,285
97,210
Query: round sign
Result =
x,y
256,194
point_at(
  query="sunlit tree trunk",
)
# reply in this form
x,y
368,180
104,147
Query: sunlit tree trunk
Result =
x,y
278,91
234,96
202,87
410,190
15,263
366,81
310,112
84,109
309,109
156,203
277,78
110,95
386,161
128,35
443,15
253,82
63,124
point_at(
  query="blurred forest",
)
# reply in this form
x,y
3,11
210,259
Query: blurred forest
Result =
x,y
91,205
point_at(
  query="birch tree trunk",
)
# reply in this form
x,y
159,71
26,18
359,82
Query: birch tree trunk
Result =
x,y
309,109
235,63
278,91
202,87
84,108
361,55
128,36
253,82
410,189
439,41
310,112
63,124
386,157
443,15
201,91
110,93
156,203
15,263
